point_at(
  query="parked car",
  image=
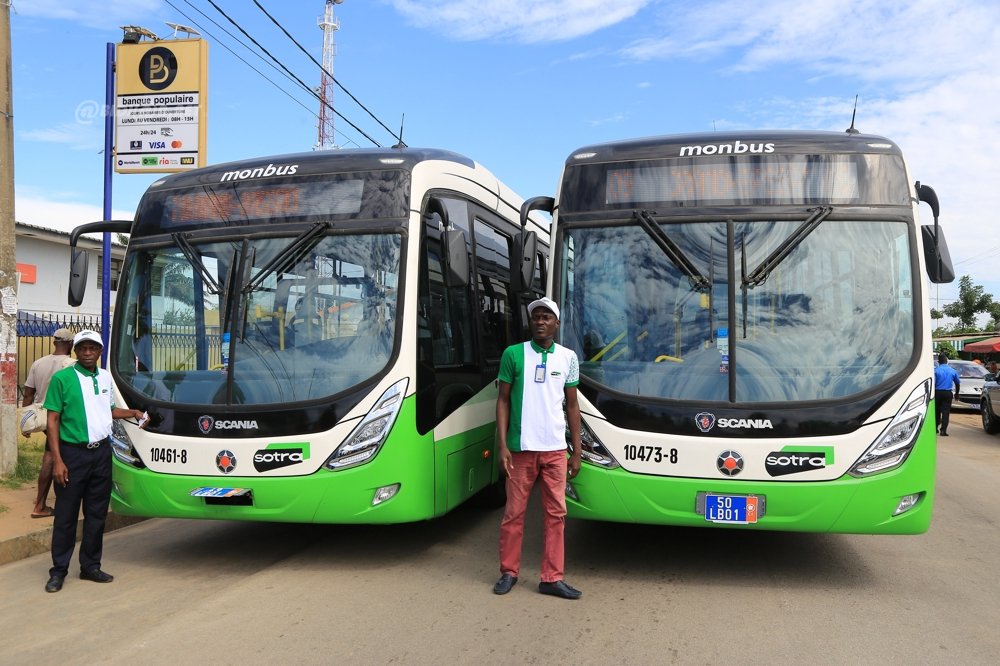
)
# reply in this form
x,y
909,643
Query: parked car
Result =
x,y
972,377
990,405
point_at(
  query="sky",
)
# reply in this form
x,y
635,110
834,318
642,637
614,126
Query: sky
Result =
x,y
517,85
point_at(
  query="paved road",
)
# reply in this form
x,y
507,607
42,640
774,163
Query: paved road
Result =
x,y
259,593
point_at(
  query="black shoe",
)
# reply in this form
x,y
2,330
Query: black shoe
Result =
x,y
560,589
505,584
944,434
97,576
55,583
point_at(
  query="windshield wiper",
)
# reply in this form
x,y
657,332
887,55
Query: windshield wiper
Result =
x,y
213,285
291,255
673,252
761,273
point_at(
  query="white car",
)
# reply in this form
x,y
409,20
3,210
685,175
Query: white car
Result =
x,y
972,376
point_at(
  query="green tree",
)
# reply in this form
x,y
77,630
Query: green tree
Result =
x,y
971,301
947,348
994,323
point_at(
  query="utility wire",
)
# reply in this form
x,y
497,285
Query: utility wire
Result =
x,y
225,46
300,82
323,69
235,39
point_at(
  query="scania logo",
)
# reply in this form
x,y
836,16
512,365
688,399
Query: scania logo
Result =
x,y
277,456
780,463
225,461
730,463
205,424
704,421
756,424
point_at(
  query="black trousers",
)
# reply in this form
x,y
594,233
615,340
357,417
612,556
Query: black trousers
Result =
x,y
942,408
89,485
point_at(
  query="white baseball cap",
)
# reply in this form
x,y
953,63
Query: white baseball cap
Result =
x,y
63,335
88,336
544,303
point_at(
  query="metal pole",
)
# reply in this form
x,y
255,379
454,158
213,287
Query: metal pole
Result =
x,y
109,128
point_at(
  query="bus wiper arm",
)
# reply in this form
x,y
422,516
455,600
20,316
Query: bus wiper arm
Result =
x,y
761,273
291,255
673,252
189,253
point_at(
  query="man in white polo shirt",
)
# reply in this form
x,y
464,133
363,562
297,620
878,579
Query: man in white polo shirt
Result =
x,y
81,407
536,378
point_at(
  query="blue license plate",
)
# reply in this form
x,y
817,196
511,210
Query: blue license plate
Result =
x,y
218,492
732,509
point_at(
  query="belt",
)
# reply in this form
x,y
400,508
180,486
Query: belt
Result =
x,y
87,445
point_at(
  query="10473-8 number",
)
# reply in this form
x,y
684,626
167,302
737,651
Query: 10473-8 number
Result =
x,y
655,454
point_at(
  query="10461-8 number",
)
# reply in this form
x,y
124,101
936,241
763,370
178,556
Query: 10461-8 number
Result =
x,y
655,454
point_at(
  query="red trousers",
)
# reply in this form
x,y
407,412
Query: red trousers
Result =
x,y
529,466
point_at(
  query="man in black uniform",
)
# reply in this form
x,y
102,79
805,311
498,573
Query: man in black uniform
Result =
x,y
81,409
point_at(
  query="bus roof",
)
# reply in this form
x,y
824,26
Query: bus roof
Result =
x,y
317,162
786,141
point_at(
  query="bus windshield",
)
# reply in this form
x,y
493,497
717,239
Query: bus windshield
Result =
x,y
280,327
832,318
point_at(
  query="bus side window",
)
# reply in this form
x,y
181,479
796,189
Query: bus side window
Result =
x,y
447,372
495,302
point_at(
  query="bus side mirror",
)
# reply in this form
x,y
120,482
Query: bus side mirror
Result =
x,y
456,247
456,252
936,255
78,265
927,194
528,249
547,204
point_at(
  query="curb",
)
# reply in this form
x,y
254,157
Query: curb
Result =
x,y
28,545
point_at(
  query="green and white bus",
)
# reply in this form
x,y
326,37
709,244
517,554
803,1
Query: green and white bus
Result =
x,y
316,336
753,330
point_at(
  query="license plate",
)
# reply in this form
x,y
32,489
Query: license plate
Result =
x,y
218,492
732,509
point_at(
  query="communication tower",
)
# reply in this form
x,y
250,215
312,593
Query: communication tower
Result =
x,y
329,25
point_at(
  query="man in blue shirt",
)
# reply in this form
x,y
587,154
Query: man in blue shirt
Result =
x,y
946,385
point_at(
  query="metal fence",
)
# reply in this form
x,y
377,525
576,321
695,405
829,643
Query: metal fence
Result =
x,y
34,337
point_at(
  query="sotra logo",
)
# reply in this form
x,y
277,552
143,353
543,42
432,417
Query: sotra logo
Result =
x,y
792,460
225,461
276,456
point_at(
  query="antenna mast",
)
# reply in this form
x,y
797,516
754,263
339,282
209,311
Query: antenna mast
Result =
x,y
328,24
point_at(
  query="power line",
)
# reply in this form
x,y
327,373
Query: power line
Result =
x,y
300,82
225,46
323,69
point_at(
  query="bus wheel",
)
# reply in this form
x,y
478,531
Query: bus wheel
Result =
x,y
990,423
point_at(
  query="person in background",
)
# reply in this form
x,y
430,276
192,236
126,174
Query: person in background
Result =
x,y
80,402
35,386
536,377
946,384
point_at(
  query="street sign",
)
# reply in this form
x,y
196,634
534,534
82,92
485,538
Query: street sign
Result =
x,y
161,106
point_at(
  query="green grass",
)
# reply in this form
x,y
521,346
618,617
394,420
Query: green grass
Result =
x,y
29,461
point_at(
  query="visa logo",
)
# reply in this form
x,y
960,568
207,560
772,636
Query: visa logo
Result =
x,y
153,145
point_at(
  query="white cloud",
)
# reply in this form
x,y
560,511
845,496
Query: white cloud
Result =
x,y
521,20
91,14
926,73
32,206
74,135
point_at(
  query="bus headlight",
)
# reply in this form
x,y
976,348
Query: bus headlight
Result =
x,y
121,446
897,440
369,435
592,450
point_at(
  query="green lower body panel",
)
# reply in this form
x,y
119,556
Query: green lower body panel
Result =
x,y
845,505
